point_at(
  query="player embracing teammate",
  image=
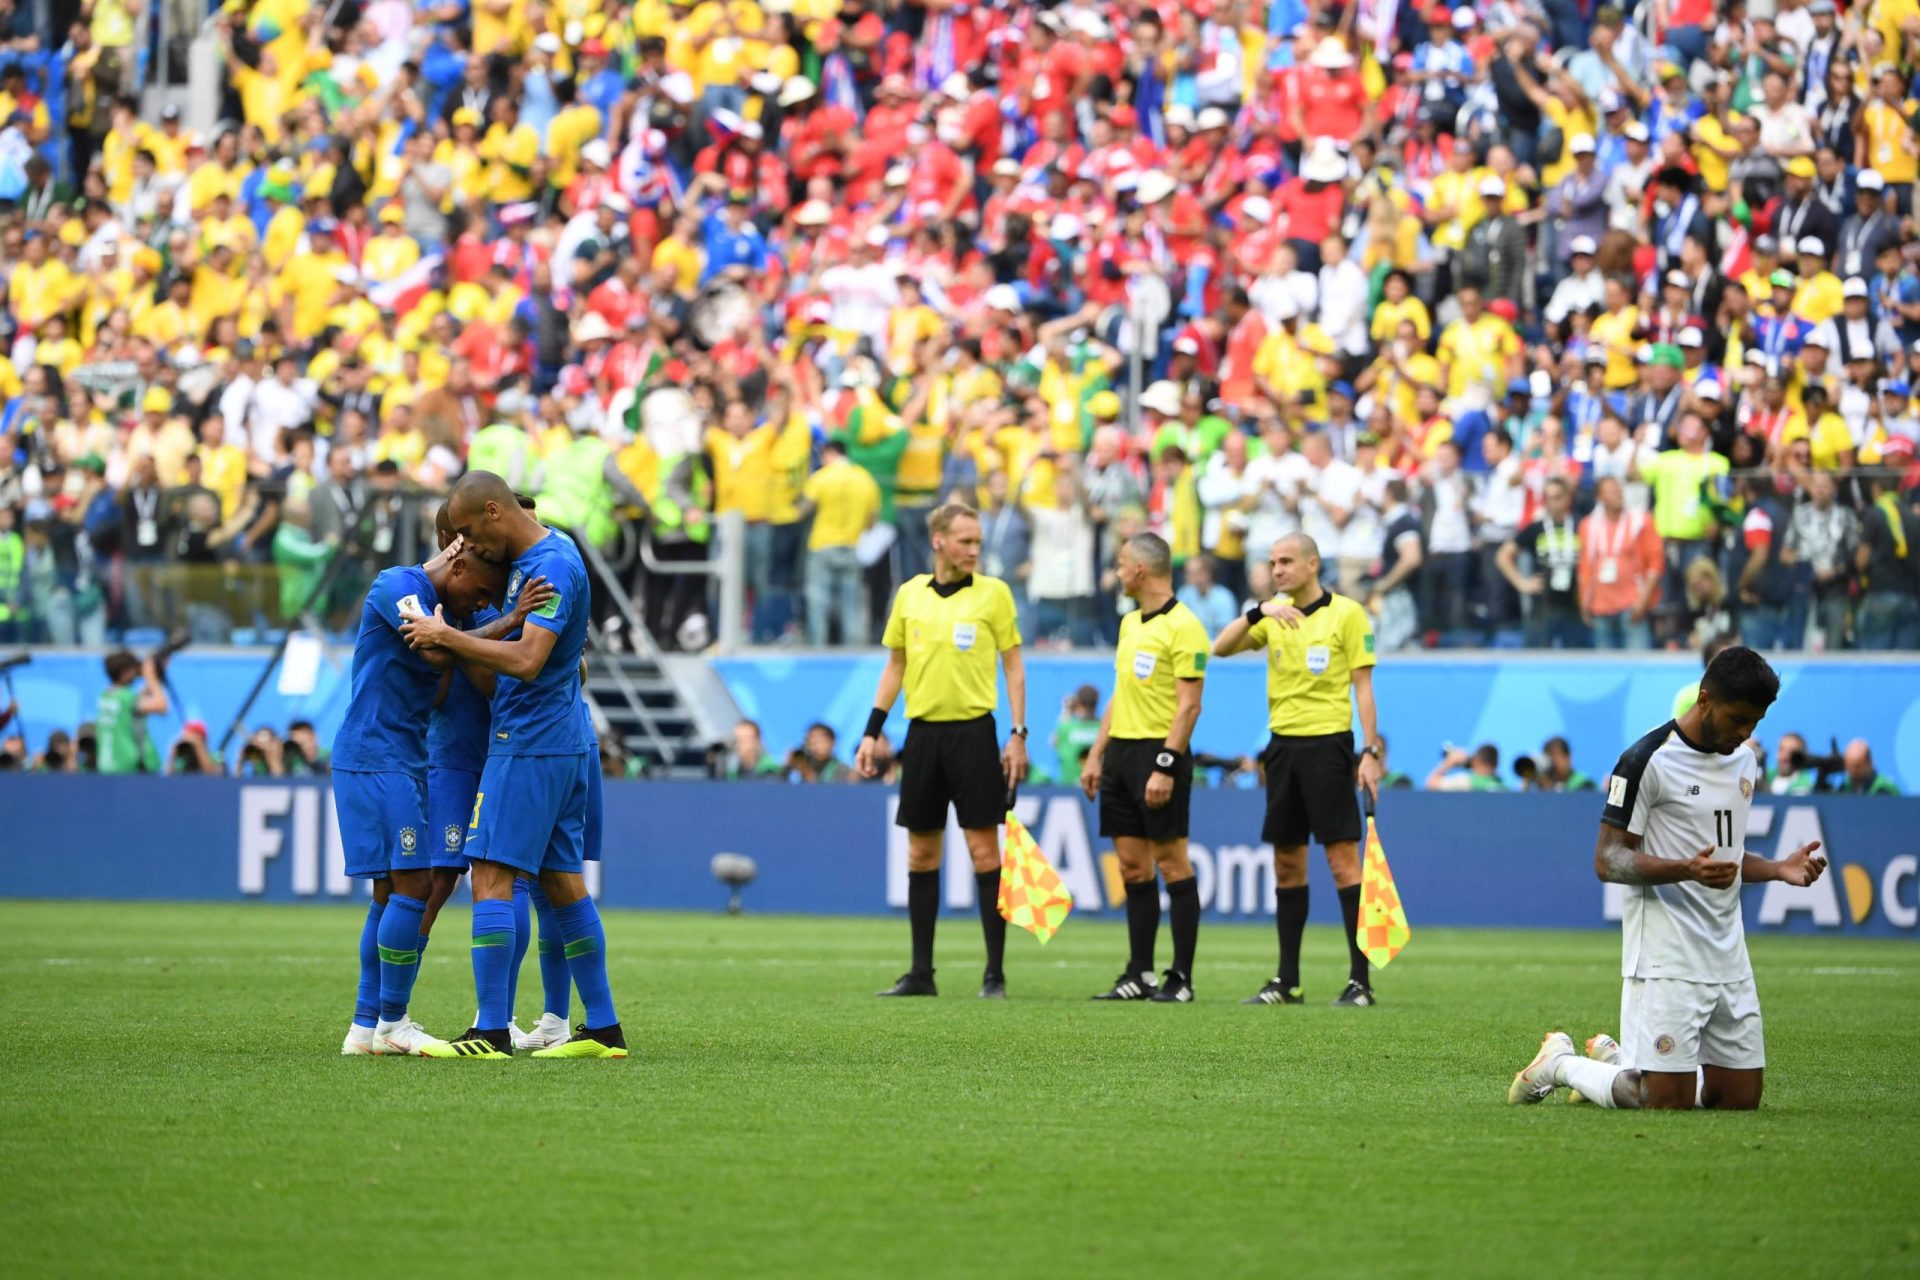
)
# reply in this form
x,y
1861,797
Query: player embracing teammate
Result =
x,y
532,812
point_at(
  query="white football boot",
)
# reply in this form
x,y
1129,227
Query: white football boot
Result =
x,y
359,1041
1534,1082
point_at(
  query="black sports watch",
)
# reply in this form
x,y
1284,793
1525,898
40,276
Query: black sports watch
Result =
x,y
1018,731
1371,749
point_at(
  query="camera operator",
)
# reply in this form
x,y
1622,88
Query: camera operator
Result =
x,y
1791,777
302,753
262,757
1862,778
122,742
58,757
190,754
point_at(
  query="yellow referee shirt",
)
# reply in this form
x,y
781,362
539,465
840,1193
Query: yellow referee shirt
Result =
x,y
1310,667
953,634
1157,650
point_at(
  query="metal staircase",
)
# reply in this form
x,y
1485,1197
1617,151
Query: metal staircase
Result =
x,y
665,711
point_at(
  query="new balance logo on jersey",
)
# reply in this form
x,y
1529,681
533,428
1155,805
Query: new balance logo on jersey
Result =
x,y
1693,791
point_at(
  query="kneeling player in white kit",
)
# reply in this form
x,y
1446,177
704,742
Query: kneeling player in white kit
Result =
x,y
1675,829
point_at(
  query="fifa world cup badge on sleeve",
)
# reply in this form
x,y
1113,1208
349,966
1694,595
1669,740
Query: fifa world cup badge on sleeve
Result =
x,y
1616,790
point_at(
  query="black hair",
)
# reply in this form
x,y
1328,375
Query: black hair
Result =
x,y
1739,674
1487,754
823,728
119,662
1556,743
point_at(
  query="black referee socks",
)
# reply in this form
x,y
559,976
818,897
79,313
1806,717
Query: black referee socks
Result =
x,y
923,909
993,925
1350,912
1143,924
1183,899
1290,918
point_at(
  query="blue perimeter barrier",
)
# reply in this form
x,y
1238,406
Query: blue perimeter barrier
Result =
x,y
1600,703
1517,861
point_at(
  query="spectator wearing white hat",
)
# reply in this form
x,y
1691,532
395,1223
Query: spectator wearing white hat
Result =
x,y
1583,287
1869,228
1579,204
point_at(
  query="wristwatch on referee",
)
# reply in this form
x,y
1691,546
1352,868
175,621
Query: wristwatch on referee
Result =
x,y
1018,731
1371,749
1166,760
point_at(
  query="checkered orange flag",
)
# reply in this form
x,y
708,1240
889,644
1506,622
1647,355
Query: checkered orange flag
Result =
x,y
1031,894
1383,921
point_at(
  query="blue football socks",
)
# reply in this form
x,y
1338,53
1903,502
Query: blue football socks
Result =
x,y
492,953
366,1000
556,980
586,953
522,935
399,954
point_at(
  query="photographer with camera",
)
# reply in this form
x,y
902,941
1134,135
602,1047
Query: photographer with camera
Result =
x,y
262,757
121,719
1862,778
190,753
302,753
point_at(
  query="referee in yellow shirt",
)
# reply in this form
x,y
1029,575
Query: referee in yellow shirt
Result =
x,y
1319,645
1141,771
942,638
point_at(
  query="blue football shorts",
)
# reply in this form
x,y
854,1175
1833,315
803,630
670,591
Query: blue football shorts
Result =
x,y
530,812
383,822
449,813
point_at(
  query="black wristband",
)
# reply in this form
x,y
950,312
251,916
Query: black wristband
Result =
x,y
1254,616
1174,760
876,722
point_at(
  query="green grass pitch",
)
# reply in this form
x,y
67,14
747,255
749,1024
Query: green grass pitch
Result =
x,y
172,1102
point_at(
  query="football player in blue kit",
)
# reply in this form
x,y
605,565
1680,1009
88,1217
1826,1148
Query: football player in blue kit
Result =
x,y
380,786
530,812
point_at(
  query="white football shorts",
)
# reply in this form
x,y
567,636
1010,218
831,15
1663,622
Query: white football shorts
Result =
x,y
1670,1025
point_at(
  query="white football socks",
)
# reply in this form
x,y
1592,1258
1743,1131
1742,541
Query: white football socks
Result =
x,y
1591,1080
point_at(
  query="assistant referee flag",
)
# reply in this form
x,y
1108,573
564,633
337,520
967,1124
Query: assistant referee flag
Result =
x,y
1031,894
1383,921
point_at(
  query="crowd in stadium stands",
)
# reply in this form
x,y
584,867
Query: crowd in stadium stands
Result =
x,y
118,742
1550,329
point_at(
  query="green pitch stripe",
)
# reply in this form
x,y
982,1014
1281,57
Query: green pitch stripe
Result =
x,y
392,955
581,948
502,939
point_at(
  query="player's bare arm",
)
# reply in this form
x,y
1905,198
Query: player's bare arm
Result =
x,y
891,677
535,592
1618,859
521,658
1013,757
1800,868
1186,714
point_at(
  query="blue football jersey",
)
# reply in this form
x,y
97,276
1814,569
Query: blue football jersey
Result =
x,y
457,738
542,716
385,728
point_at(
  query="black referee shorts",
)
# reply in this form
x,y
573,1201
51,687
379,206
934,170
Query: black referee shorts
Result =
x,y
1311,792
1123,793
951,762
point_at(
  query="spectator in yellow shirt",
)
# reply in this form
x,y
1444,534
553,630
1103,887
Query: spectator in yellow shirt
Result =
x,y
56,349
393,252
1820,296
1478,348
844,501
40,285
512,152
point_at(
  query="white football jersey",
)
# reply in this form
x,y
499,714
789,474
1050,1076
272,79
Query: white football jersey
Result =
x,y
1680,799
